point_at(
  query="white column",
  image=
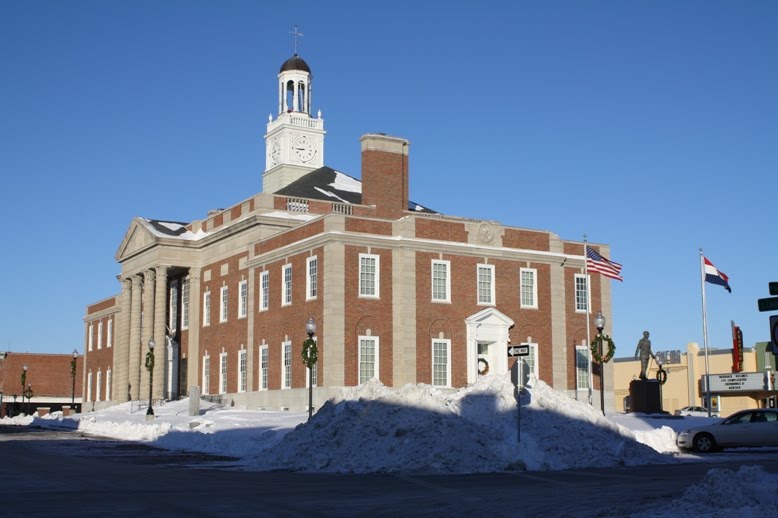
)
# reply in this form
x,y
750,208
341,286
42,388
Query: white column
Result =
x,y
159,334
121,353
133,377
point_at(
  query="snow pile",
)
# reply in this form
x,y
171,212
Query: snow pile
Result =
x,y
418,429
724,493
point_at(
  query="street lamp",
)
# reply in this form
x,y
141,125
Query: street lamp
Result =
x,y
73,379
310,355
24,380
599,323
28,393
150,368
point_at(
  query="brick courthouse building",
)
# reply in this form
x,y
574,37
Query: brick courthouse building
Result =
x,y
399,292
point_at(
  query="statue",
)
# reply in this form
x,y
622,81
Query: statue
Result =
x,y
644,351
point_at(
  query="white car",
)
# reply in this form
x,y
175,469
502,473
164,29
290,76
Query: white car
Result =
x,y
747,428
695,411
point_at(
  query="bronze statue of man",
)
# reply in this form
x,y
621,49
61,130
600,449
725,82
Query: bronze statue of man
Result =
x,y
643,350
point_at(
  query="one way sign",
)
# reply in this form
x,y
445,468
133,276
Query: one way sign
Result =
x,y
518,350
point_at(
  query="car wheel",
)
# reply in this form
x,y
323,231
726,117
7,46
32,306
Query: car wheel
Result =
x,y
704,443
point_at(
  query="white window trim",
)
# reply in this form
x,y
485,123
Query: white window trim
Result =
x,y
534,288
206,374
224,308
185,304
243,299
242,370
89,335
264,298
286,288
263,383
492,296
89,386
585,350
588,292
109,338
377,281
376,370
99,335
206,308
108,384
223,369
447,264
447,342
173,306
98,384
311,288
286,381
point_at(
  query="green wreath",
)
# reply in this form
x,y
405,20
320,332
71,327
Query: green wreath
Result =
x,y
595,347
485,370
310,353
149,361
661,376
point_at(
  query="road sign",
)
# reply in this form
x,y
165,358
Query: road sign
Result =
x,y
768,304
518,350
773,288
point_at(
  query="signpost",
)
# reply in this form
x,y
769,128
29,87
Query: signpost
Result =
x,y
773,286
513,352
768,304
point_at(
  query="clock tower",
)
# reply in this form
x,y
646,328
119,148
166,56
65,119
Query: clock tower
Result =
x,y
294,142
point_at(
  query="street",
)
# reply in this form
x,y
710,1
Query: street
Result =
x,y
46,472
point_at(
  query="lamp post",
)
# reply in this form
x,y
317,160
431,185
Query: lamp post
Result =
x,y
28,393
150,368
310,355
73,379
24,380
599,323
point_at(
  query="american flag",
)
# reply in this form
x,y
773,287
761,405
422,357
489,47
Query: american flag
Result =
x,y
596,262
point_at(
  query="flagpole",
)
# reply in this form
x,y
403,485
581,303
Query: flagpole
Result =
x,y
705,333
588,300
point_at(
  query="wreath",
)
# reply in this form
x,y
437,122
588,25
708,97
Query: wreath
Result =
x,y
661,376
150,361
483,371
595,347
310,353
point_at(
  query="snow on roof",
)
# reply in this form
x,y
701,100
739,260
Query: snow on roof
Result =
x,y
173,229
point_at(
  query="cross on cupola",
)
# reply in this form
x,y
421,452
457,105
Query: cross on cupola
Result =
x,y
296,34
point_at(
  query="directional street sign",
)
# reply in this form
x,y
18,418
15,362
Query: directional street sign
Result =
x,y
518,350
774,334
773,288
768,304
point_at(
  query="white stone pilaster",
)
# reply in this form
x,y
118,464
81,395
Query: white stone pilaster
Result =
x,y
134,364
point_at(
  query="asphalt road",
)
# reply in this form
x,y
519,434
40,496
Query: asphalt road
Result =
x,y
48,473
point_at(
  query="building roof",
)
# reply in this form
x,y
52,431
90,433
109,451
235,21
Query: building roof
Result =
x,y
295,63
328,184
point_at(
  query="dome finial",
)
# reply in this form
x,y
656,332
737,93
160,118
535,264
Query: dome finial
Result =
x,y
295,33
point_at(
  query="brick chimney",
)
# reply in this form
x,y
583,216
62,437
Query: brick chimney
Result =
x,y
385,174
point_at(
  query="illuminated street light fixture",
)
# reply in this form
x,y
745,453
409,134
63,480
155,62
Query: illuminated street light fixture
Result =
x,y
150,368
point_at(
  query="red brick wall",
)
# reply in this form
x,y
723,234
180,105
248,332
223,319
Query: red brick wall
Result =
x,y
49,374
369,226
385,182
100,306
279,323
427,228
290,236
526,239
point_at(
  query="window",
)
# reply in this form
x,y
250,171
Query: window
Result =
x,y
286,367
441,364
223,373
528,364
486,284
264,291
368,358
207,308
89,386
223,304
206,374
582,367
311,288
441,282
529,288
581,294
243,302
263,366
108,384
99,335
98,385
109,338
89,337
242,370
286,292
173,310
368,275
185,304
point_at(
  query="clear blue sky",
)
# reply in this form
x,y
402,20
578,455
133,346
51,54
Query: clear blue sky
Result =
x,y
651,126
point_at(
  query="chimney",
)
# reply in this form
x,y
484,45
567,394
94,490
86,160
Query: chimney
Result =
x,y
385,174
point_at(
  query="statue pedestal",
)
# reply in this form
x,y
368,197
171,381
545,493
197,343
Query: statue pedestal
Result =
x,y
645,396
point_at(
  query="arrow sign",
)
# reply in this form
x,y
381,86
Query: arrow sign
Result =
x,y
518,350
773,287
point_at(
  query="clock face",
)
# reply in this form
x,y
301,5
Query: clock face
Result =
x,y
303,149
275,151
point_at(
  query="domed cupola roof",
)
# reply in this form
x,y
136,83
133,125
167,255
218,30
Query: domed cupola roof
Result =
x,y
295,63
